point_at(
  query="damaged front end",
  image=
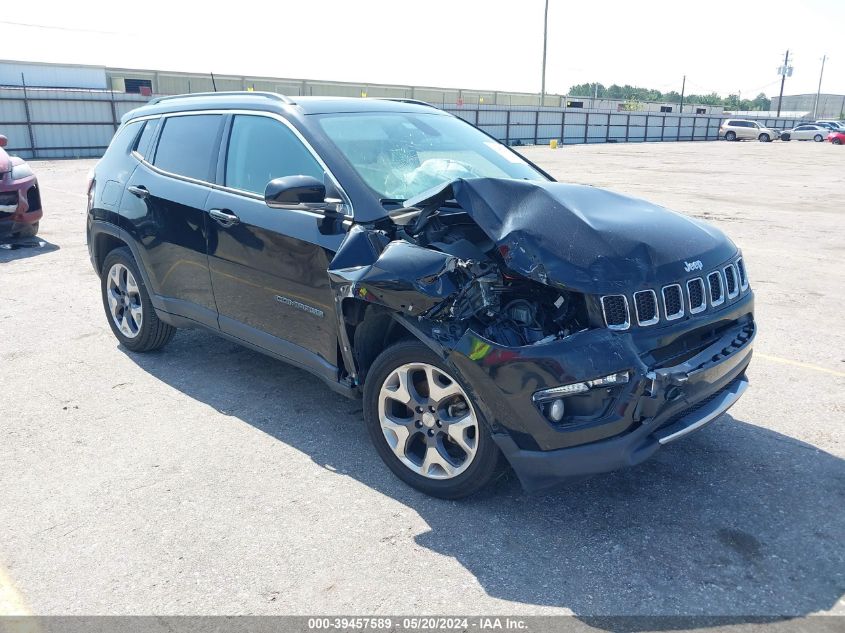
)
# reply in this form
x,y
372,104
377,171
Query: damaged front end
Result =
x,y
504,279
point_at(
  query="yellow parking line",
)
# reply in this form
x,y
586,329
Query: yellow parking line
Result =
x,y
11,601
795,363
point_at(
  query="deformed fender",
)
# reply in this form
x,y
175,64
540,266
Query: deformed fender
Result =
x,y
397,275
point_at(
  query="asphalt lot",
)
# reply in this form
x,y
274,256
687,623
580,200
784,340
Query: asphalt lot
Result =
x,y
208,479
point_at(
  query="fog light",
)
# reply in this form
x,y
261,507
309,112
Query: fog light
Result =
x,y
556,410
611,380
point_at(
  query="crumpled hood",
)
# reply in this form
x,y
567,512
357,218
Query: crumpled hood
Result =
x,y
584,238
5,162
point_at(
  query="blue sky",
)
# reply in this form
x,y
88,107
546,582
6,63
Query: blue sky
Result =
x,y
495,44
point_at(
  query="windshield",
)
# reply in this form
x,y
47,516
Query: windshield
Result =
x,y
402,154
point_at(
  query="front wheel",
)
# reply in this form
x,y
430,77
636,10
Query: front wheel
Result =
x,y
130,312
424,425
764,138
28,230
818,138
837,141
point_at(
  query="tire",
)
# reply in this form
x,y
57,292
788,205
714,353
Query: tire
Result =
x,y
422,429
29,230
730,136
837,141
818,138
125,295
785,137
764,138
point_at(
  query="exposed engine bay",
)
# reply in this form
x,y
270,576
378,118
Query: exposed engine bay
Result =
x,y
459,276
519,262
499,304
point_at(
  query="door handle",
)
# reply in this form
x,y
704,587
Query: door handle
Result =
x,y
140,191
224,217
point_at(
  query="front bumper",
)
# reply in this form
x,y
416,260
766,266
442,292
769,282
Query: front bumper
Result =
x,y
16,210
665,398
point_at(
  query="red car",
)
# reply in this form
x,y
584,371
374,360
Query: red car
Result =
x,y
837,138
20,199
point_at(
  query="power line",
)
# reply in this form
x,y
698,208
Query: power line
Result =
x,y
57,28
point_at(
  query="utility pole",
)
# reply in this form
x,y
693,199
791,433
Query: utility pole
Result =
x,y
545,39
683,89
819,91
783,71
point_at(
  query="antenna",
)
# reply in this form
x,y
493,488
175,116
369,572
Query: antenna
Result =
x,y
213,83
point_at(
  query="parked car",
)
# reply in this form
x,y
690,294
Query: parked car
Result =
x,y
20,198
835,126
806,132
480,309
836,137
741,129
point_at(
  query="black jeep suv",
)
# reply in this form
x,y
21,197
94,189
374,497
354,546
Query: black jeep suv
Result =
x,y
482,310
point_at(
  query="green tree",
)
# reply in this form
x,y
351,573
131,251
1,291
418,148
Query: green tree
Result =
x,y
633,94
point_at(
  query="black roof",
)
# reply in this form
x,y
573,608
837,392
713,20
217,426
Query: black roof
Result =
x,y
280,104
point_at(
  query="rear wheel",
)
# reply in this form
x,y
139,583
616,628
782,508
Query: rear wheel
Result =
x,y
730,136
424,425
127,303
764,138
818,138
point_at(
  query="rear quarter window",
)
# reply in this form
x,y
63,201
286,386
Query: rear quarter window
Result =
x,y
124,140
143,145
188,145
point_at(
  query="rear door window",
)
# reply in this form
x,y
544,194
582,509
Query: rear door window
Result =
x,y
261,149
188,145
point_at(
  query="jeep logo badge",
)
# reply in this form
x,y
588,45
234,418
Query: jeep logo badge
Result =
x,y
691,266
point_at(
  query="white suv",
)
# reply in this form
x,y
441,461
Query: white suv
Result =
x,y
742,129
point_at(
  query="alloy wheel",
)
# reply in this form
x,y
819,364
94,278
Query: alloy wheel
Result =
x,y
124,298
428,421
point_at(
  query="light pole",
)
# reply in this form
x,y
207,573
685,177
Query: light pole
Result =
x,y
783,72
819,91
545,40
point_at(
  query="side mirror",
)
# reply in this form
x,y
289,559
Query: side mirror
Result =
x,y
298,192
3,141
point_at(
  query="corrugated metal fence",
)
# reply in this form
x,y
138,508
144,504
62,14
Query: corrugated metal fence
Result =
x,y
63,123
537,126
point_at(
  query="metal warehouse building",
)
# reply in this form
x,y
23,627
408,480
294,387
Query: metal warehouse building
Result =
x,y
161,82
830,106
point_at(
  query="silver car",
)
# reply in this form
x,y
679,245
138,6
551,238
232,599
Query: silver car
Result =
x,y
806,132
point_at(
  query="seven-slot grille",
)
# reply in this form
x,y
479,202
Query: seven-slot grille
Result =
x,y
673,302
645,303
730,281
717,294
743,280
695,292
615,309
690,297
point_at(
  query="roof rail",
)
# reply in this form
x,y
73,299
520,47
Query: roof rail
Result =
x,y
230,93
404,100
